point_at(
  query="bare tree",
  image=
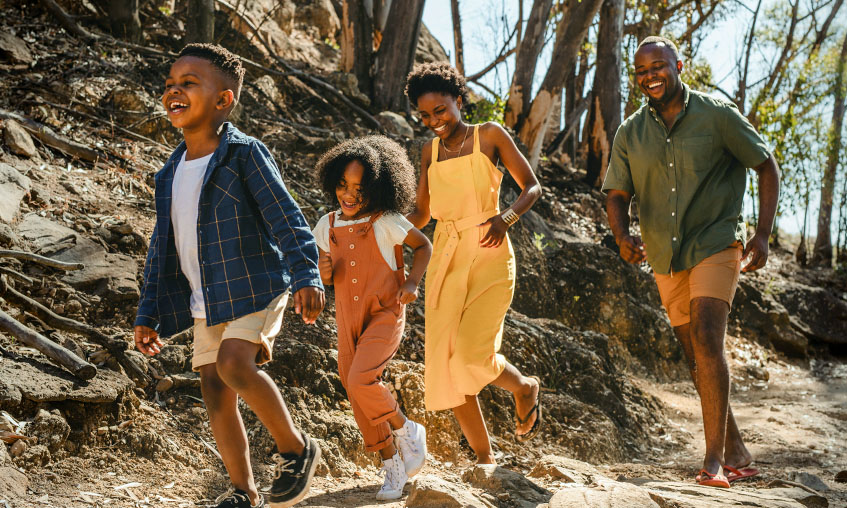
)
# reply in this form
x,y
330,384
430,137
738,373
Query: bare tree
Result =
x,y
396,54
357,28
528,50
823,244
457,37
604,113
200,21
124,19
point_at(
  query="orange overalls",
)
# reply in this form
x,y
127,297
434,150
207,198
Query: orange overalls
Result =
x,y
370,324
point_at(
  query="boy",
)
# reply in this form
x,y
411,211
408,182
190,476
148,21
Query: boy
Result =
x,y
227,235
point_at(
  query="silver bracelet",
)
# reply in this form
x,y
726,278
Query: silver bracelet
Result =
x,y
509,216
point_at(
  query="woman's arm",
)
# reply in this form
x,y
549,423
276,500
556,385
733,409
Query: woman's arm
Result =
x,y
422,252
517,166
420,216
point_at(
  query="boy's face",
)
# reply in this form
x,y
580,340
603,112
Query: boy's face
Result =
x,y
348,191
196,94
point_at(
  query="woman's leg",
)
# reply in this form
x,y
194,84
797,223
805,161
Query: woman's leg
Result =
x,y
470,419
526,392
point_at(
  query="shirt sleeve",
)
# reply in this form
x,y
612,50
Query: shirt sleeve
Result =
x,y
147,315
741,139
321,233
395,227
618,175
282,217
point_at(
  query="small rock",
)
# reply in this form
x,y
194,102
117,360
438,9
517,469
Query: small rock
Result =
x,y
73,306
802,496
841,477
59,309
18,447
14,49
431,491
395,124
13,187
102,430
50,428
809,480
36,456
164,384
18,140
4,455
8,238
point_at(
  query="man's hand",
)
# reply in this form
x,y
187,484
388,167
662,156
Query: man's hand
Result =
x,y
757,250
147,340
632,249
496,233
407,293
309,302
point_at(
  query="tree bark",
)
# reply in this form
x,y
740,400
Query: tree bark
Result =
x,y
604,114
357,42
528,50
396,55
822,253
458,46
124,20
200,21
569,36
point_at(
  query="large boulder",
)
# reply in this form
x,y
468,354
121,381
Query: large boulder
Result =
x,y
13,187
429,49
395,124
430,491
758,316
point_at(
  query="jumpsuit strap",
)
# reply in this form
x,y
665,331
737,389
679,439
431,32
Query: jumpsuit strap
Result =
x,y
476,138
435,141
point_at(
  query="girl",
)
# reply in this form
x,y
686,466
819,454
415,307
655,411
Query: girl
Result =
x,y
472,280
361,254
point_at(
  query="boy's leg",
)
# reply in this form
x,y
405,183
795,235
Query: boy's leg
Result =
x,y
228,429
237,367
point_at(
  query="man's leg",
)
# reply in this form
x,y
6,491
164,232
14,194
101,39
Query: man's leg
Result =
x,y
735,453
237,367
707,329
228,429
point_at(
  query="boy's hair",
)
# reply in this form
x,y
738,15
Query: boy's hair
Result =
x,y
388,182
661,41
438,77
223,60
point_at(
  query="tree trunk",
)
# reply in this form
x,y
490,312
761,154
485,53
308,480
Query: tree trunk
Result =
x,y
357,27
457,37
822,253
200,21
604,114
124,20
396,54
528,50
569,36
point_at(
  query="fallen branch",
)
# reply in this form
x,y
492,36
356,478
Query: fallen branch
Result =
x,y
300,74
66,21
16,275
48,137
41,260
56,353
787,483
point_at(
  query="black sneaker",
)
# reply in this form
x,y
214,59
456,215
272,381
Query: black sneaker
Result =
x,y
293,475
238,499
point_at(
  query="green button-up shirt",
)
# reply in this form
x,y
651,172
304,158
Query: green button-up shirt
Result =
x,y
690,181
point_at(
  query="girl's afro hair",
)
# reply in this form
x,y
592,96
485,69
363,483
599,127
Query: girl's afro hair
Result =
x,y
388,183
435,77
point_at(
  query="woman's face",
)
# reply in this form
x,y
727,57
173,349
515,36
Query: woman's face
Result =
x,y
440,112
349,190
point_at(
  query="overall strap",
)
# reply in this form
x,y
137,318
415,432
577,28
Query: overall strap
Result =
x,y
475,138
374,217
332,219
398,256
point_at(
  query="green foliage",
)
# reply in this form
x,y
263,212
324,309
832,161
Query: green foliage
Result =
x,y
541,244
164,9
331,43
485,110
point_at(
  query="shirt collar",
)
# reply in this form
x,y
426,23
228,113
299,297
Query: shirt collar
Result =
x,y
686,96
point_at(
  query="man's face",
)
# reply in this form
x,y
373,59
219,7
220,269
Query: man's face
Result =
x,y
657,73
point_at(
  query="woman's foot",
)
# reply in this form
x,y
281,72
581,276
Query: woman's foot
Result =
x,y
526,401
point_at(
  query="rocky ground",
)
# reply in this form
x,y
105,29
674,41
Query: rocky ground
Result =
x,y
621,423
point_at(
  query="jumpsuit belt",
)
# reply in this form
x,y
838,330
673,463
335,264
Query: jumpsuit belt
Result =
x,y
452,228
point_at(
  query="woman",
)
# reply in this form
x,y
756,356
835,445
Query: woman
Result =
x,y
471,278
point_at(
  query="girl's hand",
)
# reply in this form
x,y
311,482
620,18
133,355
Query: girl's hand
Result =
x,y
497,228
408,293
325,268
147,340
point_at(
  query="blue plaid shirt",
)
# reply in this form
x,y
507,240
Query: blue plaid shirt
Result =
x,y
252,239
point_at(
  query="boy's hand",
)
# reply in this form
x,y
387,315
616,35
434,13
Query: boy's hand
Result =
x,y
309,302
147,340
408,293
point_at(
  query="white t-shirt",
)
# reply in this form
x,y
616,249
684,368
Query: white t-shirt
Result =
x,y
185,199
390,229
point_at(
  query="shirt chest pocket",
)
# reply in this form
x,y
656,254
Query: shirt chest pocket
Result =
x,y
697,153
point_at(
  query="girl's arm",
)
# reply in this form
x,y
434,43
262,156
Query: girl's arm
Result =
x,y
422,252
517,166
325,267
420,215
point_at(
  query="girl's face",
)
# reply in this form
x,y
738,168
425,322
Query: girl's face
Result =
x,y
348,191
440,112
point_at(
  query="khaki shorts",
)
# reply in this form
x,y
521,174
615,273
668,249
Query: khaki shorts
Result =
x,y
259,328
715,277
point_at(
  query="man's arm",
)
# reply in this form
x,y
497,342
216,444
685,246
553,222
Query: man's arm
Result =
x,y
617,209
757,247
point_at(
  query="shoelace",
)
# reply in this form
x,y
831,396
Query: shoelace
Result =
x,y
391,474
282,465
409,443
231,495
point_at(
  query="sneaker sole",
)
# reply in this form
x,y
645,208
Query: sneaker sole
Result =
x,y
416,468
292,502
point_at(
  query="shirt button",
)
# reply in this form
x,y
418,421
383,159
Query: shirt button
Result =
x,y
351,245
355,281
668,140
673,189
355,298
352,263
671,164
673,214
674,238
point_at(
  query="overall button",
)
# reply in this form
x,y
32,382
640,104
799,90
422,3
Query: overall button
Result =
x,y
355,281
352,263
351,245
355,298
350,230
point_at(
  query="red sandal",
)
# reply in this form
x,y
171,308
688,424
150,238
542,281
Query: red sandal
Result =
x,y
740,474
708,479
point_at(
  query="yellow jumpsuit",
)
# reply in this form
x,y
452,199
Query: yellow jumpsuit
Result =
x,y
468,288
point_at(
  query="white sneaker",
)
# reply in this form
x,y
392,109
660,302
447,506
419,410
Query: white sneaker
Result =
x,y
395,479
411,441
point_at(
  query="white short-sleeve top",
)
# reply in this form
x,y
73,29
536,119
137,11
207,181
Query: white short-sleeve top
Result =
x,y
390,229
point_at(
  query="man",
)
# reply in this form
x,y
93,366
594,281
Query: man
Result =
x,y
684,157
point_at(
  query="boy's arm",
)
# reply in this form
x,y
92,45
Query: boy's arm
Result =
x,y
420,259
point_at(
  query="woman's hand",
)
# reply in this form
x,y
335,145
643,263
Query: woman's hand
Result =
x,y
497,228
408,292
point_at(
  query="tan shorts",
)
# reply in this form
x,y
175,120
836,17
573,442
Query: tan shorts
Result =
x,y
715,277
259,328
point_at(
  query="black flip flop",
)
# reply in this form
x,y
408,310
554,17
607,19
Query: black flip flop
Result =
x,y
536,426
